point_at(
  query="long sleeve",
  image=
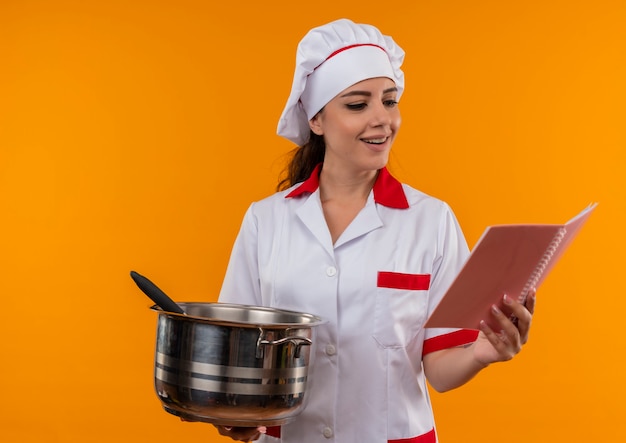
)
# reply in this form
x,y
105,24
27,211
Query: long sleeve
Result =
x,y
241,282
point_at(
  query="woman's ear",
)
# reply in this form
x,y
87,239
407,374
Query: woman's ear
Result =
x,y
315,125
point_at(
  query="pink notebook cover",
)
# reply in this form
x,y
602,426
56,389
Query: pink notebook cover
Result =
x,y
507,259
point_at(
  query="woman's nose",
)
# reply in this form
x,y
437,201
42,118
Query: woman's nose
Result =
x,y
380,115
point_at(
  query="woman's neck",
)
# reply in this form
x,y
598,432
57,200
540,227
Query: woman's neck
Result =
x,y
343,196
345,185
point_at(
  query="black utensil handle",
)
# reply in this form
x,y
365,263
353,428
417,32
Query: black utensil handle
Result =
x,y
155,294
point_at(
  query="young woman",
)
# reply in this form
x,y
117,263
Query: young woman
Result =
x,y
347,242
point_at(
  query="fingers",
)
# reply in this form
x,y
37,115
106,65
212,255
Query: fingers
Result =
x,y
514,322
507,340
531,300
523,314
241,433
503,335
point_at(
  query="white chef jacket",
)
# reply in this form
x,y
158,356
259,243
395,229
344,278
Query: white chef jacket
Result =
x,y
375,287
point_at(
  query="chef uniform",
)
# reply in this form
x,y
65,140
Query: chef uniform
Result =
x,y
374,287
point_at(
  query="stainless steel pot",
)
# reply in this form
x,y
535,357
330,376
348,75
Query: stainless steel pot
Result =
x,y
233,365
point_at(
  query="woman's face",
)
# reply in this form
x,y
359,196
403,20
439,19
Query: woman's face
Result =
x,y
359,125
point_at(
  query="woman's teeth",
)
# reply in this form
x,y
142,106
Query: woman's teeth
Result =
x,y
376,141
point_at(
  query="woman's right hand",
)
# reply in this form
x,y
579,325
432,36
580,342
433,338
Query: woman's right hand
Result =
x,y
241,433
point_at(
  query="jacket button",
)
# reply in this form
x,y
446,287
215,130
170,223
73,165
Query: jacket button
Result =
x,y
327,432
331,271
330,350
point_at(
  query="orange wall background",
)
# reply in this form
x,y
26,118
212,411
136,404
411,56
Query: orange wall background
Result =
x,y
134,134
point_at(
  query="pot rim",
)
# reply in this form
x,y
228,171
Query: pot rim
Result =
x,y
312,320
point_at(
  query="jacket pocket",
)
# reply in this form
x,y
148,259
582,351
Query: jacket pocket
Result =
x,y
401,307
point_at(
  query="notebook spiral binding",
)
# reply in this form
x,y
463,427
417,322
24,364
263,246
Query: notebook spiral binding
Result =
x,y
543,263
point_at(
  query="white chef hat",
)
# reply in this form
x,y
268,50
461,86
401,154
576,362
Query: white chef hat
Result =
x,y
329,59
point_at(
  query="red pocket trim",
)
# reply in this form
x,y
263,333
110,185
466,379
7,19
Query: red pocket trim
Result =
x,y
429,437
273,431
397,280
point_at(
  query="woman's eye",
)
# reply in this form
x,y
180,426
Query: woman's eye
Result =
x,y
390,103
356,106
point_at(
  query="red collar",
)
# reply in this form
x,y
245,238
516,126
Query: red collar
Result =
x,y
387,190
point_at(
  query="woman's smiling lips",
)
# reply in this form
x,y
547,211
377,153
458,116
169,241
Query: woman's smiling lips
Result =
x,y
376,143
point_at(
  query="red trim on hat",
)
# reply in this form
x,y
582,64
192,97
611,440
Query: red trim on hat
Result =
x,y
450,340
356,45
387,190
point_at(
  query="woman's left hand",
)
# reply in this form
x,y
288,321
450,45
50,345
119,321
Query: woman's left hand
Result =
x,y
493,346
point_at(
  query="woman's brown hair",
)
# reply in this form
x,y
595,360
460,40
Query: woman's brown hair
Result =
x,y
303,160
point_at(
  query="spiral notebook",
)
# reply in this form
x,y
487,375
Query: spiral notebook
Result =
x,y
507,259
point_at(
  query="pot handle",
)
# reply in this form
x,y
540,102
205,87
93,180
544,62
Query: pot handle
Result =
x,y
297,341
